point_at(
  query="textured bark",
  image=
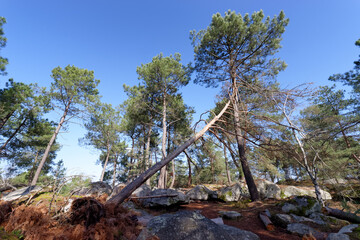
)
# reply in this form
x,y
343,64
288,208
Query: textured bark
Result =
x,y
342,215
162,176
147,151
254,194
173,175
2,148
227,166
189,176
105,164
131,187
52,140
267,222
5,119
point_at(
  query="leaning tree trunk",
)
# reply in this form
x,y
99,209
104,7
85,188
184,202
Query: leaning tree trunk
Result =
x,y
5,119
254,194
131,187
51,142
13,135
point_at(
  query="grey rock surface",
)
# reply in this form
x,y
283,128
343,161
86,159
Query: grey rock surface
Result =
x,y
143,190
187,225
179,199
288,191
95,188
238,234
201,192
300,229
268,189
183,225
17,194
282,220
302,206
230,214
337,236
233,193
348,228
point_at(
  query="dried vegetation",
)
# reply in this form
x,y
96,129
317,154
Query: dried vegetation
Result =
x,y
89,218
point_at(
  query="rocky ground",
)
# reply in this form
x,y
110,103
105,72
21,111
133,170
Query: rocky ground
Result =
x,y
202,212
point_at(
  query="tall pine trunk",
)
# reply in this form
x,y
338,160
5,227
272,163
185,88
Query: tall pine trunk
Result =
x,y
51,142
254,194
147,152
162,177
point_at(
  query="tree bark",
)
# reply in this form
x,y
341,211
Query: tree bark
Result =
x,y
189,176
147,150
131,187
114,172
162,177
13,135
226,166
52,140
173,175
254,194
6,118
341,214
105,164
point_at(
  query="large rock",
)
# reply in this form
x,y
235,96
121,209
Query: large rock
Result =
x,y
268,189
17,194
301,229
302,206
201,192
171,198
233,193
238,234
288,191
230,214
95,188
143,190
190,226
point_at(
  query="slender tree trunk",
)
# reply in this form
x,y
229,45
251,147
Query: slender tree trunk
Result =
x,y
147,152
227,166
106,162
189,176
131,187
173,175
32,170
114,172
254,194
52,140
5,119
162,177
13,135
131,159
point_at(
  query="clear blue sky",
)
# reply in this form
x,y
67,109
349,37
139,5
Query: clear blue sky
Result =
x,y
114,37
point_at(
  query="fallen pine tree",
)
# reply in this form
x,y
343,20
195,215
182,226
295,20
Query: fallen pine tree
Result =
x,y
131,187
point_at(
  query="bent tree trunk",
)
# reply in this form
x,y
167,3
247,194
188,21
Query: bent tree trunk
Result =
x,y
131,187
52,140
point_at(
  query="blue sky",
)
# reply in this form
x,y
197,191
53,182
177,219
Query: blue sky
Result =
x,y
114,37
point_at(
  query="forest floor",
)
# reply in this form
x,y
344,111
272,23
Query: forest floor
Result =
x,y
31,219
